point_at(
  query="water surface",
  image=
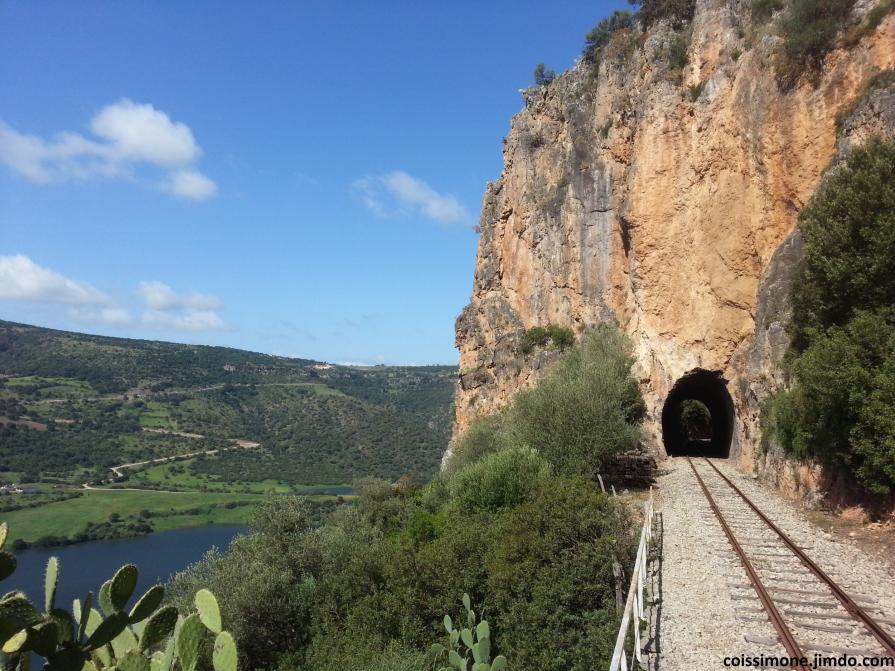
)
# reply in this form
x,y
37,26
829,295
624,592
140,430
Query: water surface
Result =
x,y
86,566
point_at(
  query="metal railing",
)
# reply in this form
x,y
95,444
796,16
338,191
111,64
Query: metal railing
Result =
x,y
634,612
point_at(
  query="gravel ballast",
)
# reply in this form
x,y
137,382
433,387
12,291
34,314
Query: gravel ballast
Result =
x,y
705,614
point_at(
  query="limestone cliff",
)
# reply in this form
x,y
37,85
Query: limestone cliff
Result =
x,y
661,200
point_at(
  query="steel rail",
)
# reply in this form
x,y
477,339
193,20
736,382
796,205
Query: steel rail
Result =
x,y
847,602
789,642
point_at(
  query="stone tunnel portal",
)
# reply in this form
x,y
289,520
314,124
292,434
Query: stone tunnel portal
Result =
x,y
698,415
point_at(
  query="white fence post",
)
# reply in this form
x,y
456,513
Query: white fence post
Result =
x,y
635,605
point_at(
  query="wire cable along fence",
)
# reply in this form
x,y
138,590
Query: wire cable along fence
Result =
x,y
634,613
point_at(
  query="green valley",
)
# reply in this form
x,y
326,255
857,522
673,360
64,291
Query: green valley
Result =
x,y
207,430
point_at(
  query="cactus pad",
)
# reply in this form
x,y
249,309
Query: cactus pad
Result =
x,y
147,604
189,642
158,627
123,585
51,580
224,657
209,612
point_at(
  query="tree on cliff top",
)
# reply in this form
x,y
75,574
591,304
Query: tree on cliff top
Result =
x,y
677,11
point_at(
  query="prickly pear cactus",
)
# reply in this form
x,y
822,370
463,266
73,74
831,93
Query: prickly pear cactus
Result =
x,y
147,637
471,644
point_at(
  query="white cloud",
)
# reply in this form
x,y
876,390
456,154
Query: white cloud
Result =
x,y
142,133
188,320
21,279
192,184
159,296
408,194
128,135
166,309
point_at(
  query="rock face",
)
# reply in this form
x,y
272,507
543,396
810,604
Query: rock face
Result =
x,y
664,201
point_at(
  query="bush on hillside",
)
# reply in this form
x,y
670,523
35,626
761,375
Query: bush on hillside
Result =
x,y
764,10
585,410
551,582
556,337
809,29
840,406
678,54
676,11
543,75
484,436
262,583
369,589
500,480
849,233
600,34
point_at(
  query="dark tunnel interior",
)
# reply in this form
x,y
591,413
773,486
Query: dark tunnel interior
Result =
x,y
687,430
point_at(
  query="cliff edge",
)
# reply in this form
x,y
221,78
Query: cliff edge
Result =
x,y
661,192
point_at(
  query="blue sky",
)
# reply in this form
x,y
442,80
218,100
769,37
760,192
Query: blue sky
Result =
x,y
299,178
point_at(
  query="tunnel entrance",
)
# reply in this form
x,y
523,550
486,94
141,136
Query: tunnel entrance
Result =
x,y
697,418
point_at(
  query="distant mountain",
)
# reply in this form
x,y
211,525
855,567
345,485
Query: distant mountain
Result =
x,y
72,403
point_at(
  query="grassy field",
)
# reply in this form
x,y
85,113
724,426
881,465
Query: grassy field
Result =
x,y
179,476
66,518
53,387
155,415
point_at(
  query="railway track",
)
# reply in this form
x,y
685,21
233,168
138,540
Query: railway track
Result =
x,y
787,599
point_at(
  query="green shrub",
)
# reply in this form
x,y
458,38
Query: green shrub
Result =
x,y
560,337
552,587
543,75
843,406
585,410
500,480
763,10
870,23
809,29
849,233
484,436
372,585
600,34
557,337
676,11
368,599
678,54
842,364
695,90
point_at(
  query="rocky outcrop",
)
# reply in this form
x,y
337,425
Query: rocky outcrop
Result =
x,y
664,201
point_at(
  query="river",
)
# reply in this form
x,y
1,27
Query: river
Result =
x,y
86,566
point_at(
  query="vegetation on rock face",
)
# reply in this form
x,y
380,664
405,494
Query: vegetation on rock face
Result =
x,y
585,410
503,479
557,337
809,29
676,11
531,544
840,406
543,75
599,35
764,10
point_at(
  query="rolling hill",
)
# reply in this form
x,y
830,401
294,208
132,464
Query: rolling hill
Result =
x,y
73,405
